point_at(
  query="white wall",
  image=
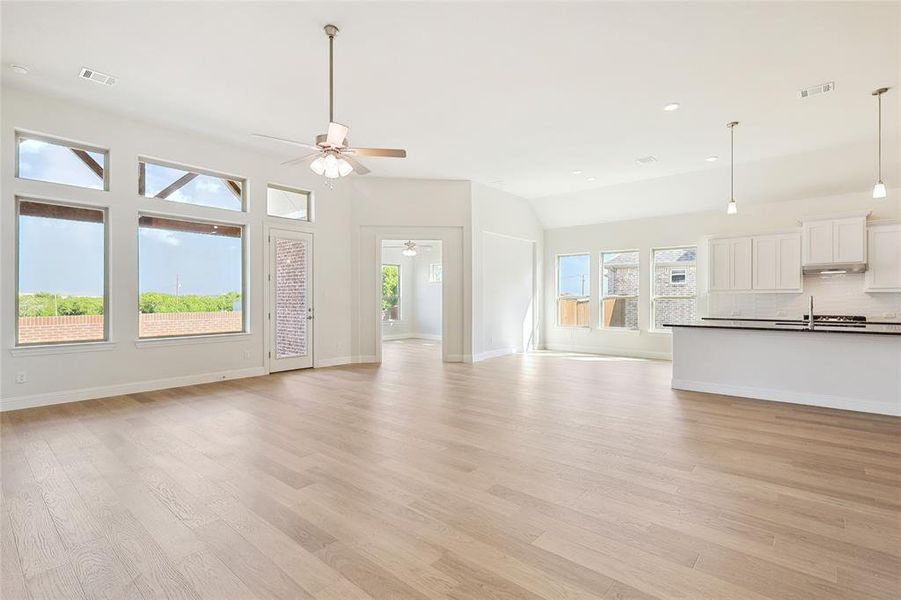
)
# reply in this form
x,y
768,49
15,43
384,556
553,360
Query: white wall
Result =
x,y
122,366
426,294
675,230
506,236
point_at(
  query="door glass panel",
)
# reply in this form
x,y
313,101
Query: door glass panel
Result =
x,y
290,298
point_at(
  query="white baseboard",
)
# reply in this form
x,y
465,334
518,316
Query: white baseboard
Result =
x,y
106,391
493,354
410,336
826,401
608,351
344,360
458,358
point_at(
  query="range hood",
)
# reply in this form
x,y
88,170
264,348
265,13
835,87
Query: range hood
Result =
x,y
834,268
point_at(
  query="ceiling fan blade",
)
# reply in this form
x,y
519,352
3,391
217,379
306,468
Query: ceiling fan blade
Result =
x,y
283,140
336,134
299,159
359,168
387,152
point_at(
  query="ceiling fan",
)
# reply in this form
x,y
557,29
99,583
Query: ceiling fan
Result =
x,y
332,154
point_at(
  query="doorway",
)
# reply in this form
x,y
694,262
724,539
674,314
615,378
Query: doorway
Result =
x,y
290,300
411,285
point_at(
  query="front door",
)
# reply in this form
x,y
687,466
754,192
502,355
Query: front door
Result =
x,y
290,300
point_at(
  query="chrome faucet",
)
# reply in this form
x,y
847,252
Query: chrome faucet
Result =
x,y
810,314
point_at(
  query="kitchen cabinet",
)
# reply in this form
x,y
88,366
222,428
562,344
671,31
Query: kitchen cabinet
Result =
x,y
828,241
776,262
884,257
729,264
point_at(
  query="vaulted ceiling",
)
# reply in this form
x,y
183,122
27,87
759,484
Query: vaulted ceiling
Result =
x,y
513,95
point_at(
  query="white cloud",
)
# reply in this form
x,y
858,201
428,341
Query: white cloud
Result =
x,y
161,235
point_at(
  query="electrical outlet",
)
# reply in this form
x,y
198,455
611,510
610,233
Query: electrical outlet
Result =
x,y
247,355
21,377
736,313
780,313
889,315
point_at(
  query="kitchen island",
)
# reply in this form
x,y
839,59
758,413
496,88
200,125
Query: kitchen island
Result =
x,y
851,368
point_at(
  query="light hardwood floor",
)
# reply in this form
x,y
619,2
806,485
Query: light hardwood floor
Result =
x,y
539,476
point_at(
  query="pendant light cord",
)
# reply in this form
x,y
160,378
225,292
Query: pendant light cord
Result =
x,y
879,144
732,163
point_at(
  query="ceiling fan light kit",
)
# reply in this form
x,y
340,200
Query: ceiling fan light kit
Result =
x,y
332,156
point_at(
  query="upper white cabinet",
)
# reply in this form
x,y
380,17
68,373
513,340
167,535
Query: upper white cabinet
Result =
x,y
766,263
730,264
777,262
841,240
884,256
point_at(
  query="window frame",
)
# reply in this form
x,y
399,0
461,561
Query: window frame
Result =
x,y
20,134
400,302
107,320
294,190
684,273
557,258
143,160
653,297
245,300
602,297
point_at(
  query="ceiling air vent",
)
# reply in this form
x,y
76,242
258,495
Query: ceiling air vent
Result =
x,y
817,89
646,160
97,76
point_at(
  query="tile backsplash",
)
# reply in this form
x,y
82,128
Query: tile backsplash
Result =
x,y
832,294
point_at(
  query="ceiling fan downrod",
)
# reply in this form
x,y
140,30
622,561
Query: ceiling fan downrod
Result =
x,y
331,31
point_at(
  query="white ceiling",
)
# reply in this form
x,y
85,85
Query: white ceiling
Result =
x,y
512,95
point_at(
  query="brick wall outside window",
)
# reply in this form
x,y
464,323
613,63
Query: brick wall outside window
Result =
x,y
45,330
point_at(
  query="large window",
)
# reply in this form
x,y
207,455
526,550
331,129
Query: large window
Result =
x,y
191,277
46,159
61,294
674,286
390,292
619,289
287,203
573,290
181,184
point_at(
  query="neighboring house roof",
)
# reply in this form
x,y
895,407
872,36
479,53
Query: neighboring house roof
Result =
x,y
623,259
677,255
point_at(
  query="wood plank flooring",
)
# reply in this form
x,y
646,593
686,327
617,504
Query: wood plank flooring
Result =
x,y
547,476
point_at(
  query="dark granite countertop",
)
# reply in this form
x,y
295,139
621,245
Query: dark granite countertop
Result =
x,y
788,325
772,320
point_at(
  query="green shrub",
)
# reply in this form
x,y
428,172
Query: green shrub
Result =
x,y
157,302
45,304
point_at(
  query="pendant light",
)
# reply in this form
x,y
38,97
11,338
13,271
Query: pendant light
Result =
x,y
410,248
879,188
732,207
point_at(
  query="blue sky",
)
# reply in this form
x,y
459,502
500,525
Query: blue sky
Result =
x,y
66,257
575,275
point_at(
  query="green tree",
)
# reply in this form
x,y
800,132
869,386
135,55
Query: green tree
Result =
x,y
390,286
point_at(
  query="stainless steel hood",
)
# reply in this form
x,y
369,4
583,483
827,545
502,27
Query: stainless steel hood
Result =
x,y
834,268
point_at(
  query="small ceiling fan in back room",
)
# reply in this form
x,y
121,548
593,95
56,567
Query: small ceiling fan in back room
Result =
x,y
331,154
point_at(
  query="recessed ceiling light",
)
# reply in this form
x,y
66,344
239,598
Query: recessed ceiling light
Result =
x,y
646,160
19,69
591,179
712,158
577,172
671,106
